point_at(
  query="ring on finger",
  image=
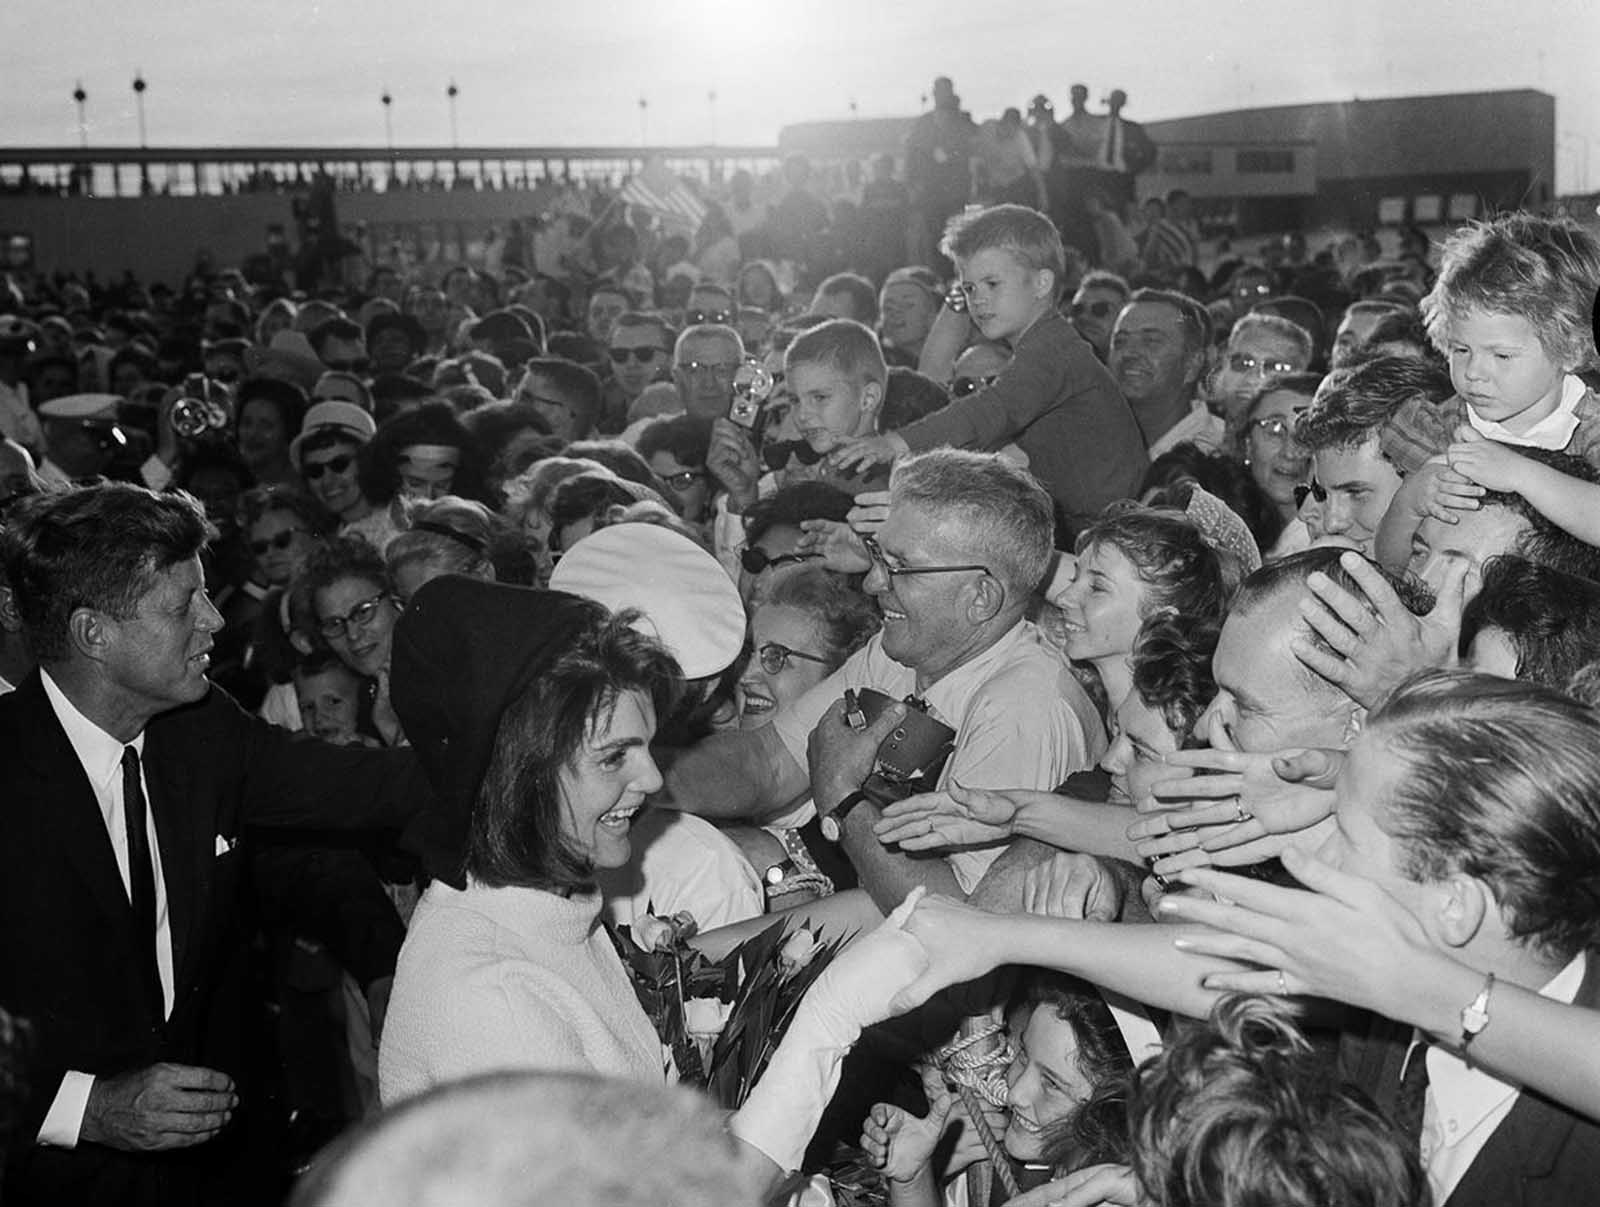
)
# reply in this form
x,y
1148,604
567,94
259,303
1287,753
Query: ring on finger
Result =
x,y
1240,813
1283,984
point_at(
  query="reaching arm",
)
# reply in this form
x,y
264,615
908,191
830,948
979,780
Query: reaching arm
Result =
x,y
747,775
1570,503
889,875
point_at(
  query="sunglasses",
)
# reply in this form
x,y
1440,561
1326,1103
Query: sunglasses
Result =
x,y
1315,489
643,356
1097,310
312,471
755,559
683,479
1241,363
695,317
361,615
776,456
281,541
774,657
962,386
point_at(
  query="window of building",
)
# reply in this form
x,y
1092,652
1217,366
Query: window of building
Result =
x,y
1261,163
1429,207
1463,206
1185,161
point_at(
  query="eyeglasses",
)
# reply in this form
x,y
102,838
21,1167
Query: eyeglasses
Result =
x,y
711,368
683,479
960,387
280,541
1314,488
755,559
776,456
879,561
774,657
644,356
1244,292
1274,428
1097,310
312,471
695,317
361,615
359,365
1239,362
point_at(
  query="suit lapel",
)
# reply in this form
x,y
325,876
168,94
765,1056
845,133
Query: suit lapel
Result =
x,y
69,804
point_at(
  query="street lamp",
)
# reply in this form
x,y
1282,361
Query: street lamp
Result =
x,y
138,95
388,120
644,123
711,101
451,92
79,95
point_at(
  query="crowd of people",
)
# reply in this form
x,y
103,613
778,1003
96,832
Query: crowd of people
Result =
x,y
1178,686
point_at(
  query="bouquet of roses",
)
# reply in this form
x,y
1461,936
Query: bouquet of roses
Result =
x,y
752,992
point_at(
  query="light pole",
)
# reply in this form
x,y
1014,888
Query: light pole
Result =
x,y
388,120
711,102
644,122
79,95
138,95
452,92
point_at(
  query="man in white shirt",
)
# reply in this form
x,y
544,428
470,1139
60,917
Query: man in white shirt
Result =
x,y
954,568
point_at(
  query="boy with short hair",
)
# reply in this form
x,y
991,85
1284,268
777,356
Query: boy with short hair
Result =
x,y
1512,313
566,394
328,694
1054,400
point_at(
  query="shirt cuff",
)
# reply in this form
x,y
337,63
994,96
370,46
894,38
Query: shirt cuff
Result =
x,y
64,1120
156,473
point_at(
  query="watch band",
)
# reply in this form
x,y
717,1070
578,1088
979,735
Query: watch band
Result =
x,y
1475,1014
832,824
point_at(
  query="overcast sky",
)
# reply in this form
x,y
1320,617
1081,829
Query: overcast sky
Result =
x,y
572,72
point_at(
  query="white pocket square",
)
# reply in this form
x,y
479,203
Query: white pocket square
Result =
x,y
224,845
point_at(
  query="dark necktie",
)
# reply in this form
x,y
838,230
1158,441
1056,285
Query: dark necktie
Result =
x,y
141,880
1411,1102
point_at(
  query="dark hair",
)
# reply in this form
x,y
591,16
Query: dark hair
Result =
x,y
1172,477
1171,665
575,383
1196,319
515,833
1242,1111
431,423
406,324
1402,326
100,547
684,437
1551,618
1181,573
495,424
1095,1132
863,297
334,328
472,368
1354,404
908,396
798,501
845,616
288,398
341,557
586,496
1501,783
620,458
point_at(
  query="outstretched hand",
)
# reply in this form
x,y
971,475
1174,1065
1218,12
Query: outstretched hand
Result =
x,y
953,816
836,543
864,452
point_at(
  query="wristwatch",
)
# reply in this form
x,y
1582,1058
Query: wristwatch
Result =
x,y
1475,1014
832,824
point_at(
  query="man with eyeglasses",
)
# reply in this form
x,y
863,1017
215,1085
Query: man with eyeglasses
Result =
x,y
703,365
1158,356
954,568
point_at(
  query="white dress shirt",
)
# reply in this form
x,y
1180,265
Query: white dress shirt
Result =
x,y
101,757
1466,1104
1554,431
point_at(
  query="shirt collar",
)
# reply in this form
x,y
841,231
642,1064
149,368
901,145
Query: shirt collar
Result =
x,y
97,750
949,693
1468,1094
1554,431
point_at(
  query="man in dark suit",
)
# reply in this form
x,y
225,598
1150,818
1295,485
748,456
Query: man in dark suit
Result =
x,y
1475,802
125,787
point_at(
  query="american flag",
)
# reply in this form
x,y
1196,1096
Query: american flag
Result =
x,y
658,190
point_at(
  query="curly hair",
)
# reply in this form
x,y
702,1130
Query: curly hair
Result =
x,y
433,422
846,617
1241,1112
1181,573
1546,270
1171,664
1354,404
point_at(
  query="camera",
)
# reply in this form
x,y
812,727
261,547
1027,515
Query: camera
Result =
x,y
205,406
752,385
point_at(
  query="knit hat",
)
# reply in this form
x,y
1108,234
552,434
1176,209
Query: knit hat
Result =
x,y
687,599
334,415
463,651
